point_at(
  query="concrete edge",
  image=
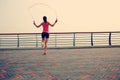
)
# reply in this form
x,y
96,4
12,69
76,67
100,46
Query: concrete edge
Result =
x,y
83,47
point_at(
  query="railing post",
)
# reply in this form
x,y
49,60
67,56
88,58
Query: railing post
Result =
x,y
109,39
18,42
0,42
91,39
74,39
55,40
36,41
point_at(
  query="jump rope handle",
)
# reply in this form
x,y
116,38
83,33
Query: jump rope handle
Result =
x,y
56,20
34,22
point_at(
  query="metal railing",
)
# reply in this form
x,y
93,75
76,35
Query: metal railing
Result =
x,y
58,40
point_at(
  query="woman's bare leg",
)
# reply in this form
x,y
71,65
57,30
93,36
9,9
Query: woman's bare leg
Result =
x,y
45,46
43,41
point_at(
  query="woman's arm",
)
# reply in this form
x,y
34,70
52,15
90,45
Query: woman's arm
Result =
x,y
53,24
36,25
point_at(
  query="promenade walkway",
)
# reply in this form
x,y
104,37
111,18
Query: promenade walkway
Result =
x,y
60,64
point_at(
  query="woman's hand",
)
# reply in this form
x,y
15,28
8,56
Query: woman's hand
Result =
x,y
56,21
34,22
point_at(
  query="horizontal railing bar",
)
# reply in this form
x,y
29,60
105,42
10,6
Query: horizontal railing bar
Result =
x,y
60,33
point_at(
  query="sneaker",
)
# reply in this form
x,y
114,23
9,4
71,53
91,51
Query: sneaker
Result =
x,y
44,54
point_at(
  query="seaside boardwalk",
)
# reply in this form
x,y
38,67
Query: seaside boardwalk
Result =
x,y
60,64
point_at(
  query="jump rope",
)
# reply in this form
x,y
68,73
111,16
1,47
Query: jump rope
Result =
x,y
41,5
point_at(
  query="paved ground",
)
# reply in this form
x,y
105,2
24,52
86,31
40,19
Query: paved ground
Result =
x,y
60,64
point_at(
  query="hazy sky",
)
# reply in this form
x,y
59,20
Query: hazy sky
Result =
x,y
73,15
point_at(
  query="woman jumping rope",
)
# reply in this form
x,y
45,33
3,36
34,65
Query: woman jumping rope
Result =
x,y
45,32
